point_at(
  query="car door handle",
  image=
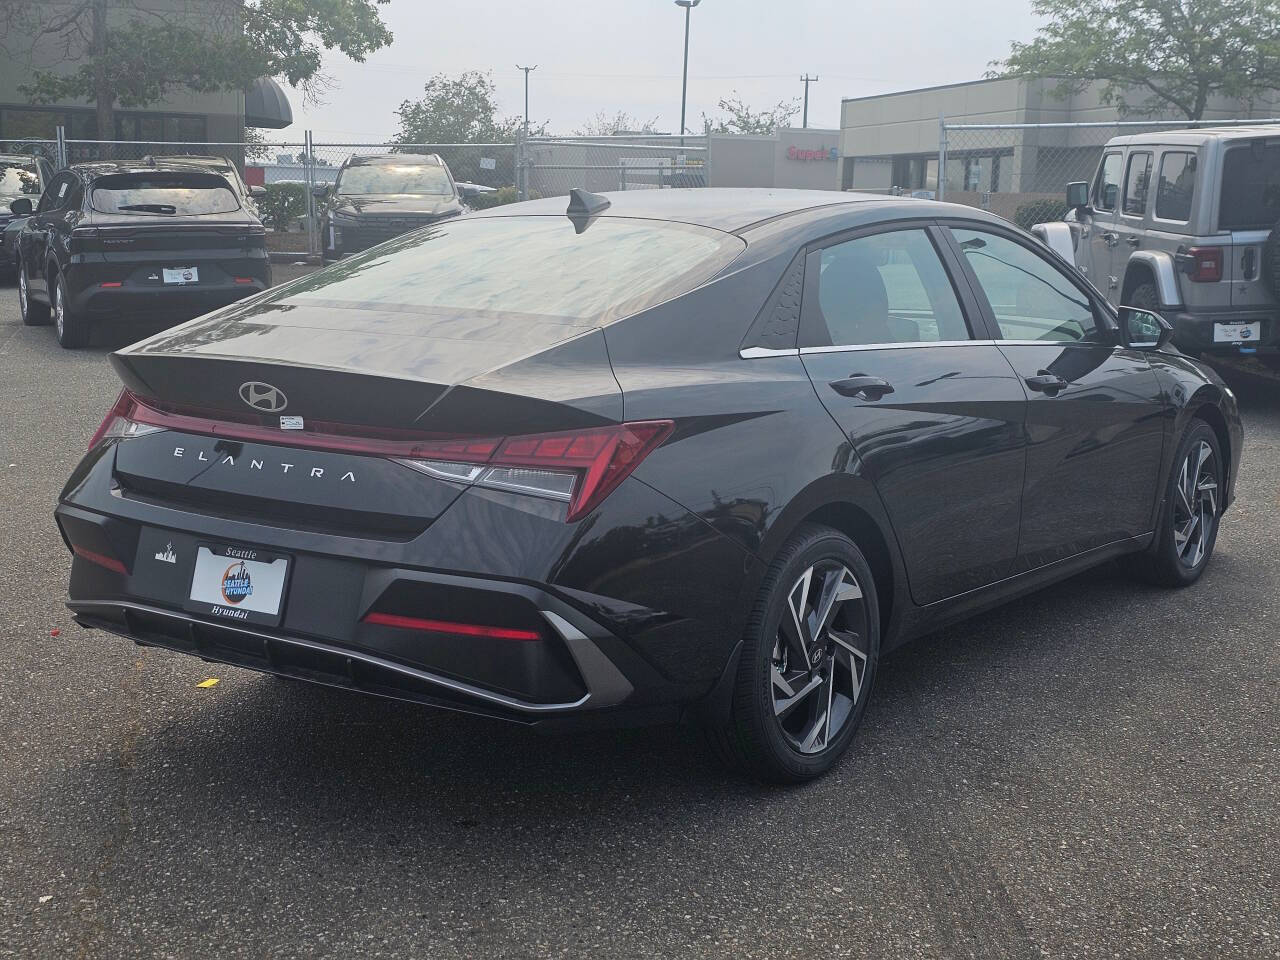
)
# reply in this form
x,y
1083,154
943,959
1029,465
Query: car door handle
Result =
x,y
862,387
1046,382
1111,238
1132,241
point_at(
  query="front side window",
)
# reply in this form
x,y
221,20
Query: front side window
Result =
x,y
387,178
1136,181
164,194
1107,189
885,288
1031,298
1176,186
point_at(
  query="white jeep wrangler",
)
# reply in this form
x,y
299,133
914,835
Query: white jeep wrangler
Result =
x,y
1185,223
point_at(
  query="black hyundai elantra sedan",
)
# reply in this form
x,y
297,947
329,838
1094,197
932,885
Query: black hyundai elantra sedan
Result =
x,y
668,455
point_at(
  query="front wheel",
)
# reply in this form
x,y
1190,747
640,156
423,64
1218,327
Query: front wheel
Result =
x,y
1188,526
808,661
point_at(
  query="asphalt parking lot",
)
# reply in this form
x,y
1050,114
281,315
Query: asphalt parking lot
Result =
x,y
1091,772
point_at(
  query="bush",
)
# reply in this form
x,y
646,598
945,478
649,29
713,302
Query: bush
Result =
x,y
283,204
499,197
1040,211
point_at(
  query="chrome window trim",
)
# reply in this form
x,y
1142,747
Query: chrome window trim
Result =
x,y
756,353
904,345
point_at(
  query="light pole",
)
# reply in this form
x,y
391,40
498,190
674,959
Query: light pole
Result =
x,y
527,71
684,84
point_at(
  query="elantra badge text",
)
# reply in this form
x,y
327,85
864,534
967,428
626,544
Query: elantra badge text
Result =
x,y
263,396
313,473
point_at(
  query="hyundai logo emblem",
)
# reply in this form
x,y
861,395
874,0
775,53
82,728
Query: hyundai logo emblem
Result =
x,y
263,396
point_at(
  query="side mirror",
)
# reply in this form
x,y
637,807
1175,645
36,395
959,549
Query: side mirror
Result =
x,y
1077,195
257,191
320,191
468,190
1143,330
21,207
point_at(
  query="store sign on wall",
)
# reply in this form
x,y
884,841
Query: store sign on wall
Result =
x,y
826,153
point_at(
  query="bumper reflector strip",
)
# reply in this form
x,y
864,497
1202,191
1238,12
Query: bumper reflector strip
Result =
x,y
111,563
445,626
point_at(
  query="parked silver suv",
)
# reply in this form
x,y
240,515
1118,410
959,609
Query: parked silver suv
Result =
x,y
1185,223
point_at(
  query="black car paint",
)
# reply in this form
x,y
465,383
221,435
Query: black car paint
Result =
x,y
661,576
132,249
11,223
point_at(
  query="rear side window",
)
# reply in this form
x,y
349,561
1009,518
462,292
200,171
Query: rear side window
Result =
x,y
164,194
1107,189
1176,186
515,269
1250,187
1136,182
885,288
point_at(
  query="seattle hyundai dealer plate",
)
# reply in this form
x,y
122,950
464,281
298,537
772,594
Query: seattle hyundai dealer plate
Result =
x,y
181,275
238,583
1236,332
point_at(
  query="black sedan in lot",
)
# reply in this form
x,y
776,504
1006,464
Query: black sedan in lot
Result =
x,y
680,454
380,197
112,240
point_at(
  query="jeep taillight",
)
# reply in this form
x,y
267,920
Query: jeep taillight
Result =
x,y
1204,264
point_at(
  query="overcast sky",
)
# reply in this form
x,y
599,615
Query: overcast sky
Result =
x,y
626,55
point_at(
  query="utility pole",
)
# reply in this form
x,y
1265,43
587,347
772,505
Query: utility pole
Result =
x,y
684,83
527,71
806,80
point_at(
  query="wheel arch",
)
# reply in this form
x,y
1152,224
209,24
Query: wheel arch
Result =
x,y
1157,268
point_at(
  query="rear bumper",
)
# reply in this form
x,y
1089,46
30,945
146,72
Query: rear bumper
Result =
x,y
1194,331
143,291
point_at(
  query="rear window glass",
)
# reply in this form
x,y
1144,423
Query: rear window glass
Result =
x,y
395,178
513,267
1250,187
1176,186
175,195
19,178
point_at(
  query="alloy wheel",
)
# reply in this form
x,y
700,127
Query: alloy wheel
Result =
x,y
1195,505
819,658
59,312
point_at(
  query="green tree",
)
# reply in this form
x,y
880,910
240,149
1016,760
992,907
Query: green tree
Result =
x,y
461,109
1155,55
126,53
740,118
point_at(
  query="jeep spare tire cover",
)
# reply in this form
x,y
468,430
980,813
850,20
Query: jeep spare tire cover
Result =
x,y
1271,262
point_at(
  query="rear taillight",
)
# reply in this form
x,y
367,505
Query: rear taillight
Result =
x,y
120,421
1204,264
578,467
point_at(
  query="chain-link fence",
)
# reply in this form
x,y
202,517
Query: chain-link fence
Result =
x,y
555,166
1021,170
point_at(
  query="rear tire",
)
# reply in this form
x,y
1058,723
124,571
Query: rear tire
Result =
x,y
72,329
808,661
1188,526
33,314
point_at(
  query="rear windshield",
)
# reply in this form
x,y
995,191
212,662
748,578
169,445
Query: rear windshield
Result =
x,y
395,178
535,267
19,178
1250,187
164,194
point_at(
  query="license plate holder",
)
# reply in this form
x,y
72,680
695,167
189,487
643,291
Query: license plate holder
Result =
x,y
239,584
181,275
1237,332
